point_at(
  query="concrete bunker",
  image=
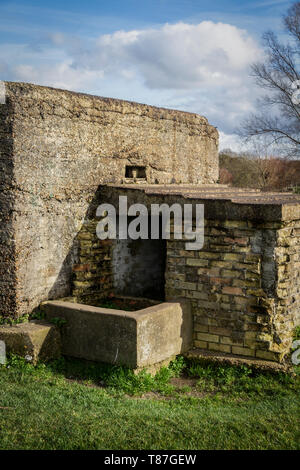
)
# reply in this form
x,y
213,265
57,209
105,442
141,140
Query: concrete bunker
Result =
x,y
57,147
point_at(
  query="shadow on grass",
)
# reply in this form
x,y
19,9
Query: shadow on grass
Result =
x,y
182,377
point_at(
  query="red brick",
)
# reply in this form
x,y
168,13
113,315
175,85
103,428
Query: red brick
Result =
x,y
81,267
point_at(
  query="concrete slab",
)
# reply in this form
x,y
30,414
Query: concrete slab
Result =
x,y
220,202
205,356
134,339
35,340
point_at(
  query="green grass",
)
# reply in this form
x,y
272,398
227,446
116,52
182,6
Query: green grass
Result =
x,y
73,404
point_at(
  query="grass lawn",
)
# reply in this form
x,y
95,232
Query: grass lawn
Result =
x,y
72,404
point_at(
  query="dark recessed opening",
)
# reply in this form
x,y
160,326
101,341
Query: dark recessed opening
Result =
x,y
139,268
135,172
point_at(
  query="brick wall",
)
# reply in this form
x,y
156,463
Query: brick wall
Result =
x,y
120,267
244,286
287,258
92,275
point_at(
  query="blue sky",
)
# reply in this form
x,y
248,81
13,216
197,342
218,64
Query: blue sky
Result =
x,y
186,54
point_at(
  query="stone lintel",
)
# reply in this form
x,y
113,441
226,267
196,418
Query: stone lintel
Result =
x,y
219,203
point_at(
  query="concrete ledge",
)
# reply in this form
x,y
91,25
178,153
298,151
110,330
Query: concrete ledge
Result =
x,y
220,203
35,339
135,339
234,360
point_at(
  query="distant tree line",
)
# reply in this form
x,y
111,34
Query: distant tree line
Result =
x,y
264,173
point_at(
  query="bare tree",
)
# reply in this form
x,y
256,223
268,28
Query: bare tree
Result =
x,y
278,119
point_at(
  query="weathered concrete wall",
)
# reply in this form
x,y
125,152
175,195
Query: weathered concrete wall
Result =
x,y
57,147
8,283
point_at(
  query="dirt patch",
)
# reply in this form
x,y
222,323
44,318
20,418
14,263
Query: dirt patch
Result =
x,y
183,386
181,382
150,396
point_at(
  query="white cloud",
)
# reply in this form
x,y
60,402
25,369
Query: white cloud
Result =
x,y
63,75
180,56
202,68
231,141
